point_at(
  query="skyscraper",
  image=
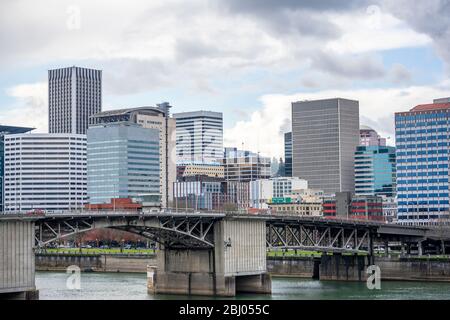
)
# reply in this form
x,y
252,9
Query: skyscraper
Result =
x,y
199,136
123,162
288,154
422,138
325,134
4,130
151,118
74,94
375,171
45,172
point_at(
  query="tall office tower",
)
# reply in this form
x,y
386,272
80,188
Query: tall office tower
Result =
x,y
244,166
199,136
74,94
375,171
4,130
45,172
325,134
422,138
288,154
123,162
369,137
151,118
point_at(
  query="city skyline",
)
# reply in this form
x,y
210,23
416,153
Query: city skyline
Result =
x,y
250,76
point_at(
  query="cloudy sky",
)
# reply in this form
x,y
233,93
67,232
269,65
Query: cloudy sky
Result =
x,y
246,58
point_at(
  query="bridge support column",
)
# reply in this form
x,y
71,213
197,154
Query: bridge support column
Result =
x,y
237,263
343,267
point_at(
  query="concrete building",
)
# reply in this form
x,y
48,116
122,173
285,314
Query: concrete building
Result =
x,y
45,172
74,94
262,191
325,134
151,118
123,162
288,154
4,130
299,209
369,137
199,136
422,138
245,166
189,169
375,171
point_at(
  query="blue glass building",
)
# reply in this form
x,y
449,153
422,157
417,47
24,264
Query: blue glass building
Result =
x,y
375,172
422,138
123,162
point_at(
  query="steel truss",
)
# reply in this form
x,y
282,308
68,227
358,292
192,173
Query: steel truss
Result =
x,y
171,231
296,235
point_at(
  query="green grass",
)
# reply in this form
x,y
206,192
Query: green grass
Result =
x,y
98,251
293,253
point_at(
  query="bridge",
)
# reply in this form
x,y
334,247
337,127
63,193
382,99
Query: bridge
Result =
x,y
210,253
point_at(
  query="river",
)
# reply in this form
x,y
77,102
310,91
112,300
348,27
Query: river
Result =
x,y
121,286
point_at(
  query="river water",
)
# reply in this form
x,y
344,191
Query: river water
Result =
x,y
122,286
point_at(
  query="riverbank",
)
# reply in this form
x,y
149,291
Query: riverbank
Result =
x,y
309,267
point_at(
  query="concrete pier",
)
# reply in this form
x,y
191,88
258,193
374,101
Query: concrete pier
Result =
x,y
17,269
237,263
343,267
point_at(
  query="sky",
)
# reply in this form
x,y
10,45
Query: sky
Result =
x,y
249,59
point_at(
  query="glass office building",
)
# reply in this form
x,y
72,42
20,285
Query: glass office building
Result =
x,y
422,138
123,162
375,171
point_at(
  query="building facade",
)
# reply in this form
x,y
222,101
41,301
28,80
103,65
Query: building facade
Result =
x,y
199,136
189,169
288,154
298,209
262,191
422,138
4,130
325,134
344,205
375,171
151,118
45,172
369,137
74,94
123,162
245,166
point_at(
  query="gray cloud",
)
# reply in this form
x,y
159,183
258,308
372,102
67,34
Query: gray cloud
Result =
x,y
292,17
128,76
400,74
358,66
430,17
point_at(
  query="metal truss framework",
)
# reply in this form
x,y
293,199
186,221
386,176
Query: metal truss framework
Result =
x,y
172,231
331,238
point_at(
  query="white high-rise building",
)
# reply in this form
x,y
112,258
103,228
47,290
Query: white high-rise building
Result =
x,y
199,136
45,172
74,94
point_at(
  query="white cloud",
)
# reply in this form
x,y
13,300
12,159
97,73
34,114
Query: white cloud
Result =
x,y
264,130
31,107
